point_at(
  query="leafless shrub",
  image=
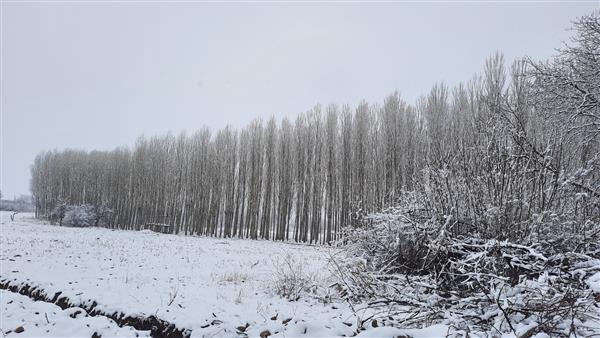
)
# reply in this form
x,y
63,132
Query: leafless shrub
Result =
x,y
290,280
421,274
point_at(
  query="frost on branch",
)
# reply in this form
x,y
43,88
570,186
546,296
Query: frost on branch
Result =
x,y
420,273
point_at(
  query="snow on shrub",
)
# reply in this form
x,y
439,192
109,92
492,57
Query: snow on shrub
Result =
x,y
290,279
81,215
416,274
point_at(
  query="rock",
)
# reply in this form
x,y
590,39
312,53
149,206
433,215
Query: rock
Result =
x,y
285,321
374,323
265,334
275,317
19,329
242,328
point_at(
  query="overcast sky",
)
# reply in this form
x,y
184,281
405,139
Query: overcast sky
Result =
x,y
98,75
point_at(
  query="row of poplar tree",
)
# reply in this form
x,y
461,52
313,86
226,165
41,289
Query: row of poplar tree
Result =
x,y
510,146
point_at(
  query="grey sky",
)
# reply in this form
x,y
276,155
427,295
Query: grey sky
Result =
x,y
98,75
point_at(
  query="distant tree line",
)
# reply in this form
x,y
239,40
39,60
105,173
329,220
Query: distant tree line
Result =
x,y
512,146
18,204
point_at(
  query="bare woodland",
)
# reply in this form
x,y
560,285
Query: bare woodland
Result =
x,y
478,205
514,144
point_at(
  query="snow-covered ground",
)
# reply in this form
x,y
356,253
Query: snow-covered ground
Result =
x,y
23,317
207,285
188,281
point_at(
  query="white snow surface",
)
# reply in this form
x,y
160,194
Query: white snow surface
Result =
x,y
39,319
594,282
434,331
227,282
211,286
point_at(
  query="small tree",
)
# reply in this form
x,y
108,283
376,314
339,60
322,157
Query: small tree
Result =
x,y
58,213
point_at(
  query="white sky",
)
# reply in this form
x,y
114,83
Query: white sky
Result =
x,y
98,75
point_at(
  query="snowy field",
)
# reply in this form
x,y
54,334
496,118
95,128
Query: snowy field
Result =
x,y
207,285
188,281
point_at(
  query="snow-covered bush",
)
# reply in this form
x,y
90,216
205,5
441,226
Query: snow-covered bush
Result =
x,y
81,215
57,214
290,280
103,215
421,273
